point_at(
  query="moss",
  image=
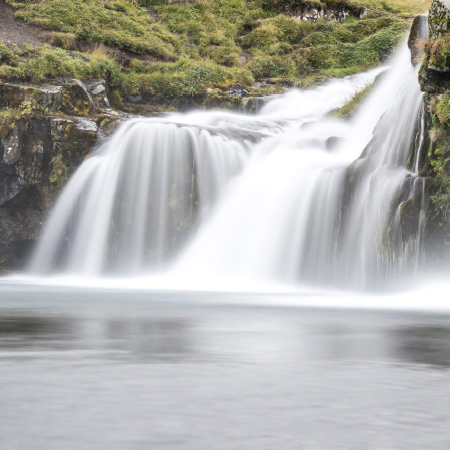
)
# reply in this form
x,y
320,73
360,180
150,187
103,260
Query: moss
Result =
x,y
10,116
75,101
59,172
442,109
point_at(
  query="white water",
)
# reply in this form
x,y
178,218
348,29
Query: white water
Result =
x,y
223,196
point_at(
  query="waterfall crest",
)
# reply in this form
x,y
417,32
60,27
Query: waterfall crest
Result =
x,y
289,194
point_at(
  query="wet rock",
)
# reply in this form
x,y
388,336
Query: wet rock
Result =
x,y
72,140
10,187
252,105
36,157
20,222
237,90
332,142
417,37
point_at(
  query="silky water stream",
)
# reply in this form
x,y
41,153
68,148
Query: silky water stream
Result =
x,y
282,196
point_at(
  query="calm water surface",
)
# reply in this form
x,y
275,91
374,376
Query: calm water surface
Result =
x,y
120,370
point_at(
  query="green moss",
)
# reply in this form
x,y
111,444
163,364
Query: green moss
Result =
x,y
438,52
59,172
10,116
442,109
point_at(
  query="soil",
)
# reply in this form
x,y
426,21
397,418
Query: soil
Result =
x,y
14,32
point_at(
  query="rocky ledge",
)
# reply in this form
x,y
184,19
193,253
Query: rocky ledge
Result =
x,y
45,133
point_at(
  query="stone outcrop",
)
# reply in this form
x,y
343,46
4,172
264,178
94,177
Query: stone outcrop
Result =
x,y
312,10
417,37
439,18
434,76
40,150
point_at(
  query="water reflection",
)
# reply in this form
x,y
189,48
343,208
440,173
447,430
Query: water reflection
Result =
x,y
139,339
28,331
239,335
424,344
147,339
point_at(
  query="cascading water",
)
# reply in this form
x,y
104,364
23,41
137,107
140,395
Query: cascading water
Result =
x,y
275,196
130,204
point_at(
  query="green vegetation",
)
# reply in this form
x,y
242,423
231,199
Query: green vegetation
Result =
x,y
438,166
438,52
150,47
352,106
9,117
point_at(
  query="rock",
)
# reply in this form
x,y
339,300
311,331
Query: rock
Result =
x,y
311,12
434,81
45,96
417,37
76,99
439,18
332,142
12,146
71,97
252,105
98,90
36,157
153,99
237,90
39,151
10,187
133,98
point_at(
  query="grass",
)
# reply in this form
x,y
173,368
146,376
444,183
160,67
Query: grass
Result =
x,y
397,6
352,106
184,49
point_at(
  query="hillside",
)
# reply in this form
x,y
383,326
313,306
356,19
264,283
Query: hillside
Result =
x,y
182,49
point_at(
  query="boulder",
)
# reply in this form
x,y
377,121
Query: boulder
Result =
x,y
417,37
44,96
439,18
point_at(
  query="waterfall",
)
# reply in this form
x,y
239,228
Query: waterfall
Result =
x,y
131,205
290,194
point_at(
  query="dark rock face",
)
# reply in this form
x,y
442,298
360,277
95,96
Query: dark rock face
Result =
x,y
40,151
434,81
44,153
